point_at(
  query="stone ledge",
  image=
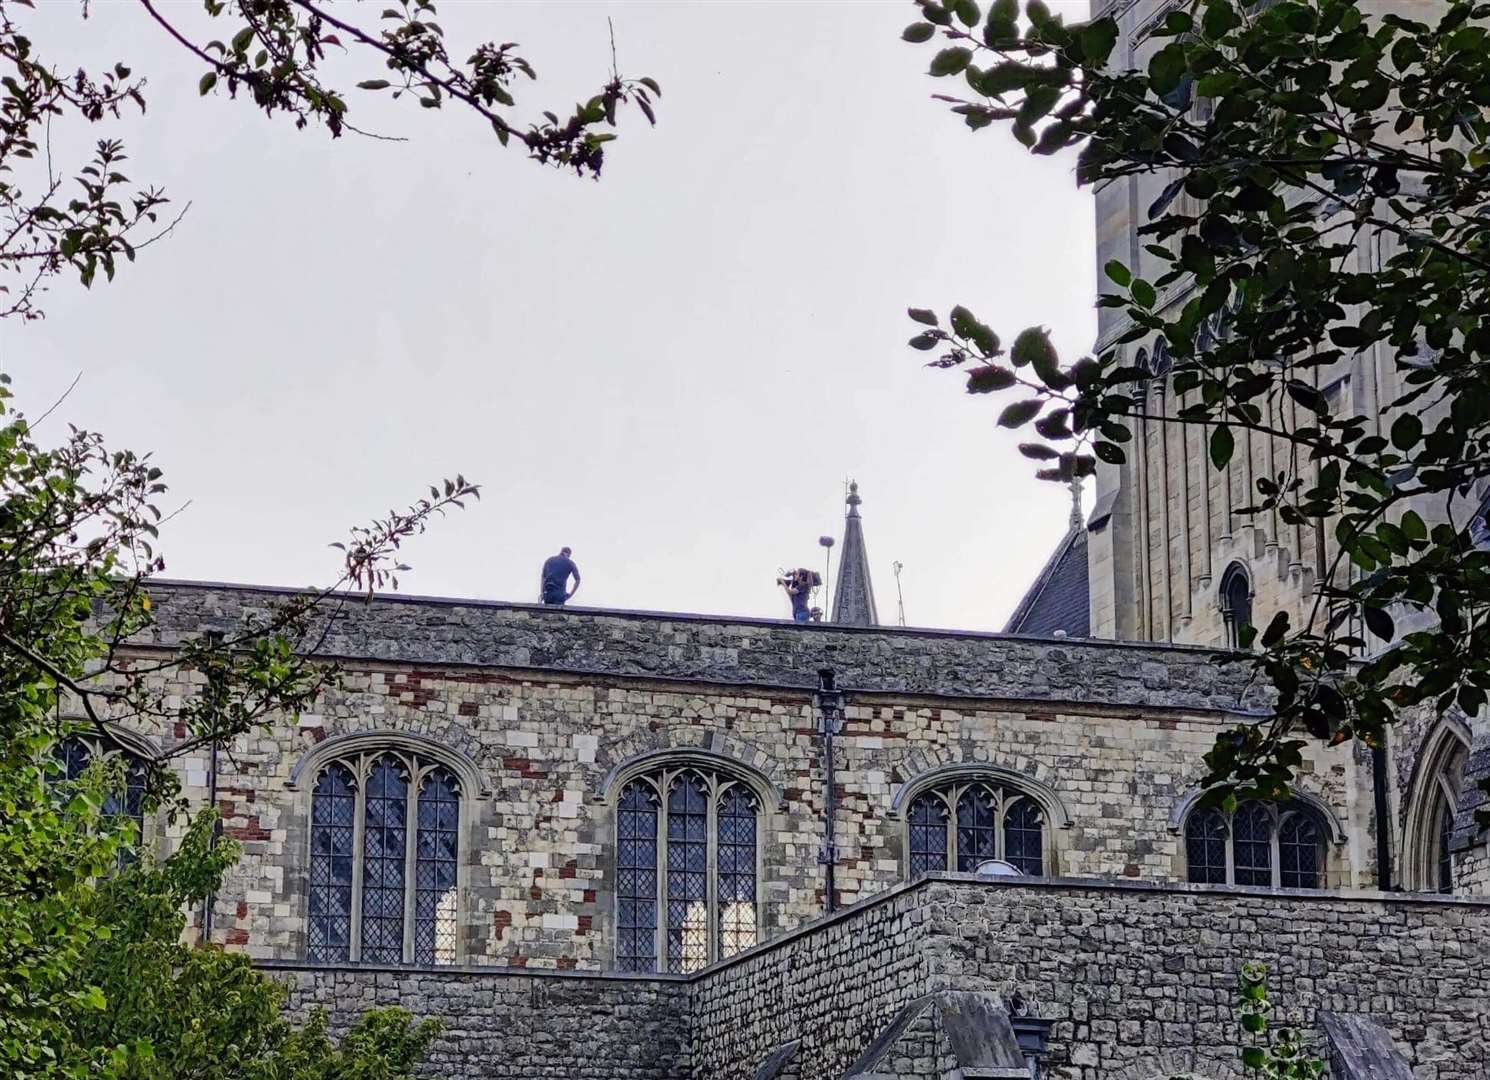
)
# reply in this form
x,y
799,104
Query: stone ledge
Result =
x,y
470,970
714,650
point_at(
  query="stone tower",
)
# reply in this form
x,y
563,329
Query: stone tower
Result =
x,y
853,593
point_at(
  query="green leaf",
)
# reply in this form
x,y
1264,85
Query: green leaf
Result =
x,y
1407,431
1143,294
1118,274
916,33
1413,526
967,11
1167,67
1020,413
1038,451
951,61
1379,622
925,341
1097,40
207,82
988,378
1222,446
1276,631
922,315
374,84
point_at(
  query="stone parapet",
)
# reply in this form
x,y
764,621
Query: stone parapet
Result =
x,y
714,649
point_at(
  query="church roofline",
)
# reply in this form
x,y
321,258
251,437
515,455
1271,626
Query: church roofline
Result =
x,y
432,600
769,654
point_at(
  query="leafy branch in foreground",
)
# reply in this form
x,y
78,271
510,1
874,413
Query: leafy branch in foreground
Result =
x,y
1284,140
88,217
93,978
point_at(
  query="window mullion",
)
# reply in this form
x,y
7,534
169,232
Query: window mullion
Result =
x,y
411,823
711,876
950,797
1276,847
661,946
359,828
1230,853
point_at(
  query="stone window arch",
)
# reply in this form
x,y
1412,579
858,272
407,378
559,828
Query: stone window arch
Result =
x,y
1262,843
386,848
1428,864
76,752
1235,599
689,828
959,817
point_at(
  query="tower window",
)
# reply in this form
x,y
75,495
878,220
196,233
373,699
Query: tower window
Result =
x,y
1236,603
385,844
687,851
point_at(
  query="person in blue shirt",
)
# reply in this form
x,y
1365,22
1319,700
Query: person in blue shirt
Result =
x,y
798,585
554,584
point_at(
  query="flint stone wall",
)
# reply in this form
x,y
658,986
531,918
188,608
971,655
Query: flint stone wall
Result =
x,y
709,648
517,1027
1140,978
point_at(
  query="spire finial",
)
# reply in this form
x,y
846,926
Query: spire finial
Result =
x,y
852,499
1077,520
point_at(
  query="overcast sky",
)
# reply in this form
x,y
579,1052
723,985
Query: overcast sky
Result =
x,y
672,370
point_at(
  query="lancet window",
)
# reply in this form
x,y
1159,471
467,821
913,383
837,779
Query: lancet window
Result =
x,y
962,824
1260,843
384,858
687,869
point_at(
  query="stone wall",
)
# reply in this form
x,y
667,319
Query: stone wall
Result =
x,y
1140,979
834,988
542,744
515,1026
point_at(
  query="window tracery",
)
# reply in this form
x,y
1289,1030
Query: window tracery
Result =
x,y
1260,843
385,850
75,753
687,868
1429,827
965,822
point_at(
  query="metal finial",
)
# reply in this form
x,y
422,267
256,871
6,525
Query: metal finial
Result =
x,y
853,499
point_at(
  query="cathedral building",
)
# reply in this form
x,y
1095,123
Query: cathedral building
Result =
x,y
617,845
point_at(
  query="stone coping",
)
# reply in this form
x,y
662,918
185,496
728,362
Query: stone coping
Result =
x,y
729,651
1052,884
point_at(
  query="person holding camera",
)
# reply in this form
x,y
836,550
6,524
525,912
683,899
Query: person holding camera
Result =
x,y
799,585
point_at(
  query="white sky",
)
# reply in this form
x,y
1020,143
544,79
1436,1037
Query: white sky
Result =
x,y
673,370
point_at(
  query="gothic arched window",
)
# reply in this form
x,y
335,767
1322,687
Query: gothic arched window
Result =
x,y
1260,843
963,823
1428,861
75,753
384,852
687,859
1236,603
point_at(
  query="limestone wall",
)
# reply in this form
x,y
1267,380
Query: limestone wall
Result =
x,y
544,743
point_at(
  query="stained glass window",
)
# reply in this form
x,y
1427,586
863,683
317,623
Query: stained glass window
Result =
x,y
75,754
736,876
1252,844
927,819
989,821
1262,843
977,828
1298,853
1023,833
636,878
686,869
385,831
687,873
1205,847
435,867
333,818
385,861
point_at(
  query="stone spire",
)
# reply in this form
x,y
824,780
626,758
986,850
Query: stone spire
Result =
x,y
853,595
1077,520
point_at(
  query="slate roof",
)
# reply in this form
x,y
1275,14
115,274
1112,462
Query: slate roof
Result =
x,y
1060,597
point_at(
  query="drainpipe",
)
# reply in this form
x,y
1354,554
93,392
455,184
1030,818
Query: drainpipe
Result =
x,y
214,637
829,701
1383,822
